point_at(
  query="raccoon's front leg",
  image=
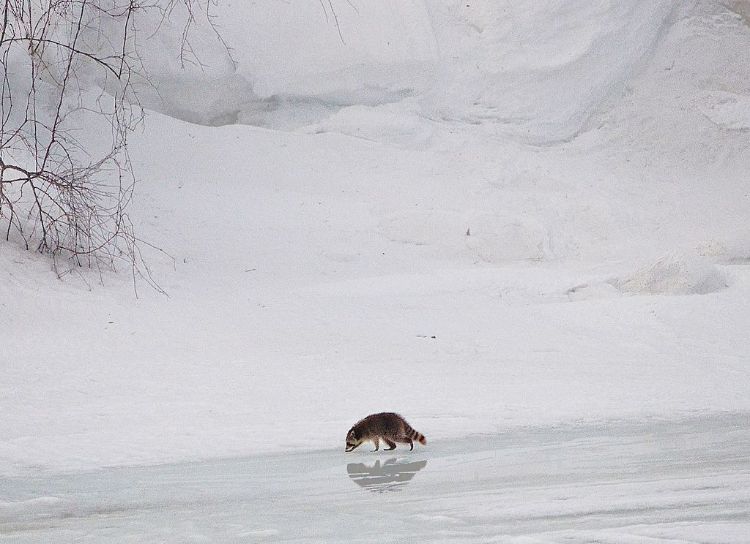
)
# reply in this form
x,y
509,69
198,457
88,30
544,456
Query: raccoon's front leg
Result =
x,y
391,444
376,441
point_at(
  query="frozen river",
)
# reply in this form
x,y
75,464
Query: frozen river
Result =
x,y
655,481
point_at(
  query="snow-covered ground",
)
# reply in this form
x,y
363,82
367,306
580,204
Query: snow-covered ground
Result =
x,y
488,216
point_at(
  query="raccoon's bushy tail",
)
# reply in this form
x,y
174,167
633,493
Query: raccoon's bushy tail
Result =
x,y
414,435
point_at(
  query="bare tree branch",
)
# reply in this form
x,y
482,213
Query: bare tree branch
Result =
x,y
56,192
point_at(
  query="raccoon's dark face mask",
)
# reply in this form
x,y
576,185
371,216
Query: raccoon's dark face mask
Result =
x,y
352,441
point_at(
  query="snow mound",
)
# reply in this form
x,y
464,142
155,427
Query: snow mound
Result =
x,y
495,239
675,275
727,110
539,69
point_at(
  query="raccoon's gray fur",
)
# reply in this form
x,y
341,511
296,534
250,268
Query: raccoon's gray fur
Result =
x,y
389,427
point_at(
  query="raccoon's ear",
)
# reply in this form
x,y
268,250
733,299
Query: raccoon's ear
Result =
x,y
355,434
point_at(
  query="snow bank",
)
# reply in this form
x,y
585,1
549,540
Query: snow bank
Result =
x,y
675,275
531,70
534,70
539,70
289,64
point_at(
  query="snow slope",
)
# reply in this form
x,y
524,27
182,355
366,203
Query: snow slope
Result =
x,y
508,215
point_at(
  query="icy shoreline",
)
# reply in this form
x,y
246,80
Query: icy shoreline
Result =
x,y
611,482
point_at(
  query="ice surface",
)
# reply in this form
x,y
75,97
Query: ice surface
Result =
x,y
647,481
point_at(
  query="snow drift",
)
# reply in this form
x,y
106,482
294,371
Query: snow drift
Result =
x,y
675,275
536,71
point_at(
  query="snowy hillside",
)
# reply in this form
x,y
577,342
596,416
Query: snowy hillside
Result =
x,y
482,214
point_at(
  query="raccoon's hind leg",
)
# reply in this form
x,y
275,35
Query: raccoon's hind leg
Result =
x,y
391,444
406,440
376,441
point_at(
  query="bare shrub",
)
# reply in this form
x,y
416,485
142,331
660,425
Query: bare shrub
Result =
x,y
67,106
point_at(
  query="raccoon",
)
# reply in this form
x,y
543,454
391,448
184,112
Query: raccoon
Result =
x,y
390,427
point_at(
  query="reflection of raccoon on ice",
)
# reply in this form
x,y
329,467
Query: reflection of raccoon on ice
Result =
x,y
390,427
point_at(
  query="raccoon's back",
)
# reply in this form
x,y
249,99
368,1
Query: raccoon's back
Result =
x,y
386,424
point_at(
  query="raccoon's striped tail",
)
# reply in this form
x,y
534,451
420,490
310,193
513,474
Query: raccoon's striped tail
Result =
x,y
414,435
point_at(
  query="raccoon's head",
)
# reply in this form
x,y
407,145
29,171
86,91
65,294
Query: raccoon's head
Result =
x,y
353,440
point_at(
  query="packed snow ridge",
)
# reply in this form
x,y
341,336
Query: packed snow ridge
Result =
x,y
536,71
